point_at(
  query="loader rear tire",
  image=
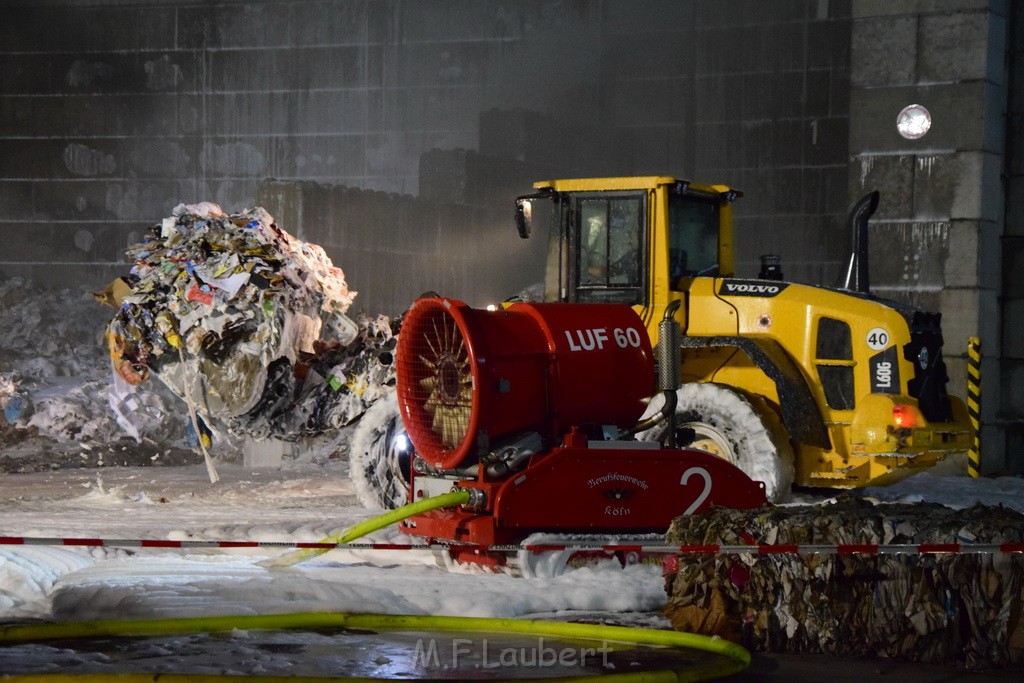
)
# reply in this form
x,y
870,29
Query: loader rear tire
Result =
x,y
378,466
738,428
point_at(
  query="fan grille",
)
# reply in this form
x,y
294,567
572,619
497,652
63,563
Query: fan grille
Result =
x,y
448,382
437,391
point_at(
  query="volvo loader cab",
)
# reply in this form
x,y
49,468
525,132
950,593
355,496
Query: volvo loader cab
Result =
x,y
793,383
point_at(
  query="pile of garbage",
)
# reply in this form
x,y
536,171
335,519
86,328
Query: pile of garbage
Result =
x,y
48,333
13,401
247,324
934,608
54,371
45,336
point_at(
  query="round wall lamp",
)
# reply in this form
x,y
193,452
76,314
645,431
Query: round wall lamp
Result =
x,y
914,121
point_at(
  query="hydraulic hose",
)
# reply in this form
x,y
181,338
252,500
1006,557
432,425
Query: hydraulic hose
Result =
x,y
668,409
459,497
734,657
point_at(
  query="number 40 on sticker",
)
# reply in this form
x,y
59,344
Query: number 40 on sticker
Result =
x,y
878,339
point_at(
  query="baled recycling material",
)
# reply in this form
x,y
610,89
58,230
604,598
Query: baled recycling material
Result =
x,y
247,324
935,608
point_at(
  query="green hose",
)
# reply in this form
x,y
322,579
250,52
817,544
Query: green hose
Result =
x,y
390,517
736,658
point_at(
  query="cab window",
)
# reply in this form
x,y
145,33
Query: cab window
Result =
x,y
609,237
693,238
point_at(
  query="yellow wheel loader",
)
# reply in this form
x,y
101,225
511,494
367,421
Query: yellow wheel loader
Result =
x,y
794,383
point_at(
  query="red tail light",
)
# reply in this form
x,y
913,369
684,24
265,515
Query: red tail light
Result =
x,y
904,416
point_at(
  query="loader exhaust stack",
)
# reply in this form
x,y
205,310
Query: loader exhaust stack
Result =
x,y
857,272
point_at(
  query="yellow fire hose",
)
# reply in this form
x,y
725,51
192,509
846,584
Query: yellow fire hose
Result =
x,y
733,658
359,530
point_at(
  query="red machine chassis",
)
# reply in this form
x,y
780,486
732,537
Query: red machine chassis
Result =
x,y
590,488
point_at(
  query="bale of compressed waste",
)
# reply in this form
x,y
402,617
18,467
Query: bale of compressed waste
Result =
x,y
247,324
935,608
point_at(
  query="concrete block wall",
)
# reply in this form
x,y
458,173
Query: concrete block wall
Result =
x,y
114,111
393,248
770,95
936,238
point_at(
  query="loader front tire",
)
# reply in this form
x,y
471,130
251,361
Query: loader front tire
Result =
x,y
740,429
380,456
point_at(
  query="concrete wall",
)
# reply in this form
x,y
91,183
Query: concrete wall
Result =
x,y
942,194
113,112
469,250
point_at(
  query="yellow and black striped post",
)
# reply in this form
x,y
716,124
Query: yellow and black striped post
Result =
x,y
974,404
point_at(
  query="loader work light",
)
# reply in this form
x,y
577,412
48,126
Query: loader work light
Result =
x,y
914,121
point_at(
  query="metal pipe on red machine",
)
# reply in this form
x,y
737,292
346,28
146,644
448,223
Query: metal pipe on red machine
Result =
x,y
668,348
669,362
668,376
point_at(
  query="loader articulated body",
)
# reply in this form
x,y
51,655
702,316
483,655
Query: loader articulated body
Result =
x,y
858,385
851,387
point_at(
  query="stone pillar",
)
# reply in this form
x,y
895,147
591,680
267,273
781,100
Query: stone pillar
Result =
x,y
936,236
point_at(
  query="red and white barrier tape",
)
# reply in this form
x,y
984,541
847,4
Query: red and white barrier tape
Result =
x,y
792,549
712,549
164,543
